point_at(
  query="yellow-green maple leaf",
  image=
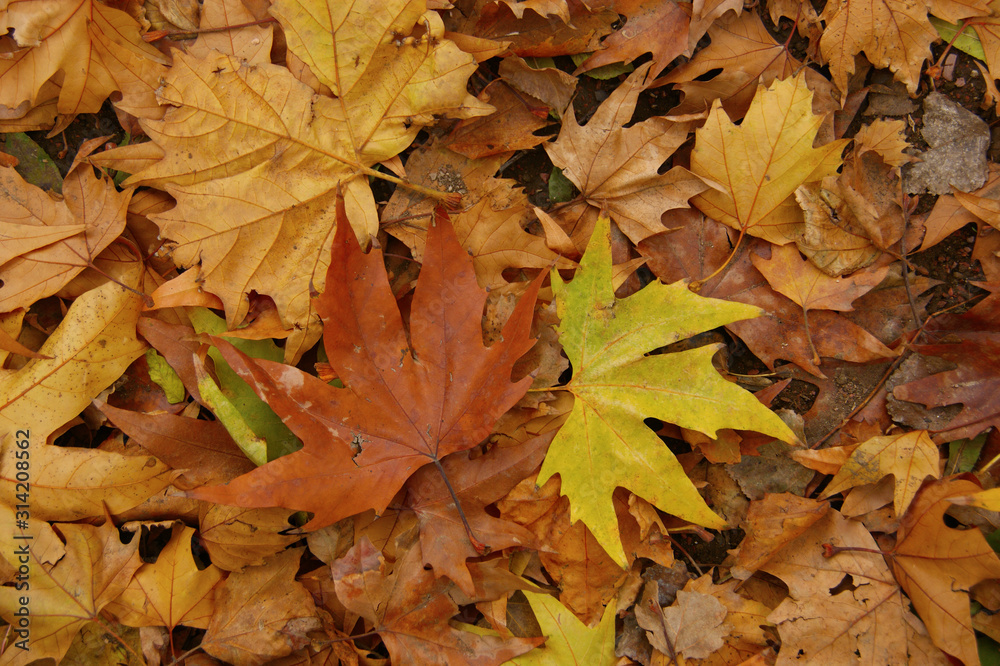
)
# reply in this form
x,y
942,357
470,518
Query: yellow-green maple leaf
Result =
x,y
605,443
569,641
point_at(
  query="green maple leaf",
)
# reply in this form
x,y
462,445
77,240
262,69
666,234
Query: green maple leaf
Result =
x,y
605,443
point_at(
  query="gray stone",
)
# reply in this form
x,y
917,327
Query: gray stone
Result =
x,y
959,140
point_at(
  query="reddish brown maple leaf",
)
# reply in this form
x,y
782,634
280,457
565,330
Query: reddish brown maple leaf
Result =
x,y
409,401
411,608
477,483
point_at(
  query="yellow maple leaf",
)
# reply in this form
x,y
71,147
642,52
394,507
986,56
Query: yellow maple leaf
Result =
x,y
94,49
910,458
255,157
760,164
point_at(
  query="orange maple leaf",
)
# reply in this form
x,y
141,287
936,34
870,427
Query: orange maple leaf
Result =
x,y
410,399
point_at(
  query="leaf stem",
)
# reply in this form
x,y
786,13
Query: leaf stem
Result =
x,y
480,547
805,324
829,550
696,285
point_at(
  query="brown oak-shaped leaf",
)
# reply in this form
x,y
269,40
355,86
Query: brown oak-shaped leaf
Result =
x,y
702,245
261,613
937,565
744,54
410,400
410,608
477,482
64,597
615,167
809,287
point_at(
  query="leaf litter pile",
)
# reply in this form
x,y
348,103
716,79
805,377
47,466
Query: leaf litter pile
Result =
x,y
292,373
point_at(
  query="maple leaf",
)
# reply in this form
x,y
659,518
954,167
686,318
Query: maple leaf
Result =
x,y
762,162
172,590
937,564
567,640
410,608
96,568
93,48
263,177
910,458
605,443
615,167
410,400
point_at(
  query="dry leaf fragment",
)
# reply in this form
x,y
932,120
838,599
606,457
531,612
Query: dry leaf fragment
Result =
x,y
694,625
893,34
762,162
869,618
567,640
95,50
261,613
172,590
887,138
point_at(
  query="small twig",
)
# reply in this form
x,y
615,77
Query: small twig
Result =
x,y
687,555
156,35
